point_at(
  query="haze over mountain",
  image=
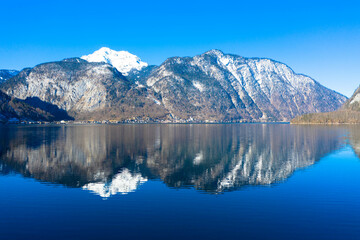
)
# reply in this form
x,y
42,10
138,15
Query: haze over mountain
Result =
x,y
209,87
6,74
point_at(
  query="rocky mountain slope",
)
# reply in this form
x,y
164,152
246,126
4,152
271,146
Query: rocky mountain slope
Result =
x,y
353,103
220,86
6,74
12,108
123,61
85,90
348,113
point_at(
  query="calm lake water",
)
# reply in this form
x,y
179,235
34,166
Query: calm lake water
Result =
x,y
215,181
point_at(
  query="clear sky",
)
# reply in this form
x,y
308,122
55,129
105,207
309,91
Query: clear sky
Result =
x,y
317,38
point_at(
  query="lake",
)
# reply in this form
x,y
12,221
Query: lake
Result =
x,y
180,181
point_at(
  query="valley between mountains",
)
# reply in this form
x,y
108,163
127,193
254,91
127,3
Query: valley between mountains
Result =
x,y
119,86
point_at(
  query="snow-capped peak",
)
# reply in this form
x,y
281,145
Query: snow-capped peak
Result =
x,y
123,61
215,52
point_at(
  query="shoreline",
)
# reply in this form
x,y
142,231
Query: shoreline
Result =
x,y
136,123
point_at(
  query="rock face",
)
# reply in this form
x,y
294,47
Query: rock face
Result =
x,y
220,86
7,74
12,109
85,90
123,61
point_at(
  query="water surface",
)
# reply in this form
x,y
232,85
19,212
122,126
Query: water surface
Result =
x,y
176,181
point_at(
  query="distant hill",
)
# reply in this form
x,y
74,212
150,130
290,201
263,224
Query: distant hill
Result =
x,y
349,113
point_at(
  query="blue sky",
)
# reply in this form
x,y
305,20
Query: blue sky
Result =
x,y
317,38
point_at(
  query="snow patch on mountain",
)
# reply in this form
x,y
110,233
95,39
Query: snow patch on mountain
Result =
x,y
199,86
123,61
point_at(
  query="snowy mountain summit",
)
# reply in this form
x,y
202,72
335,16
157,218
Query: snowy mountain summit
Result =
x,y
123,61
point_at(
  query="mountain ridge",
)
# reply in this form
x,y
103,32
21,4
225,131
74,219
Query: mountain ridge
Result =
x,y
215,59
212,86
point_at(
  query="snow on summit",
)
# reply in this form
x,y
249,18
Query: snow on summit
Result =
x,y
123,61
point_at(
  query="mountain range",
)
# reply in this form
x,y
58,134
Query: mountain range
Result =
x,y
209,87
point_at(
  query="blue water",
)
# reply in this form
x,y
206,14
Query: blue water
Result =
x,y
174,182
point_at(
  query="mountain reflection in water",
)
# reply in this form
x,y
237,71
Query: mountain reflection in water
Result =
x,y
111,159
